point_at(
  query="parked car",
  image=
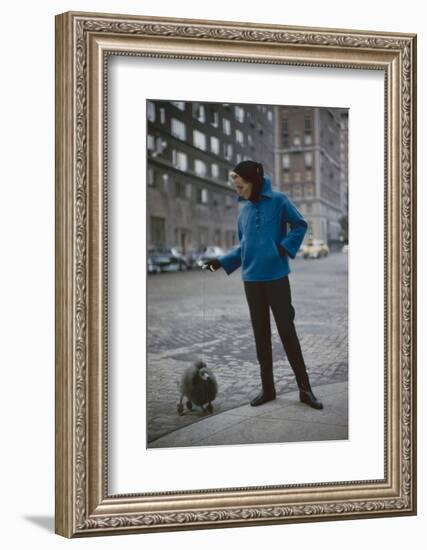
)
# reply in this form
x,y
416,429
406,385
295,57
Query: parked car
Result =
x,y
315,249
166,259
182,260
152,265
210,253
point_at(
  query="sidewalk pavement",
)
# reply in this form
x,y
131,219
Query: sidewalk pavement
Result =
x,y
283,420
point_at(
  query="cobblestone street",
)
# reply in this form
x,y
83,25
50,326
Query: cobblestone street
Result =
x,y
179,333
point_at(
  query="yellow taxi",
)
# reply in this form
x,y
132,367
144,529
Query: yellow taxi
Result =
x,y
315,248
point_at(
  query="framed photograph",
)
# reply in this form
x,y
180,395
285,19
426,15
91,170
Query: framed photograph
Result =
x,y
235,274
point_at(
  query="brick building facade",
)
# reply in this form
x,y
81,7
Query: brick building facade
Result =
x,y
191,148
311,165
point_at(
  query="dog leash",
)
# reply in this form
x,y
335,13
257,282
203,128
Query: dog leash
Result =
x,y
203,312
204,269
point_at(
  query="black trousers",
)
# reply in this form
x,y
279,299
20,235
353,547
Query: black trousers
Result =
x,y
261,296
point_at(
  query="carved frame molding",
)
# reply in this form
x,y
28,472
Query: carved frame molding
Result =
x,y
83,43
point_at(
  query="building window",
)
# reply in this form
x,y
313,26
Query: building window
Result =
x,y
199,112
226,126
178,128
285,132
200,167
297,140
239,157
162,115
150,177
188,190
239,136
215,145
215,170
165,179
202,196
308,139
239,113
199,140
179,104
180,160
213,117
250,141
308,159
297,176
228,151
151,111
160,145
269,115
286,162
217,237
151,144
250,117
157,237
308,175
286,177
228,201
179,190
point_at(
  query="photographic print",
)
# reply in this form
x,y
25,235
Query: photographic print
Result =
x,y
247,262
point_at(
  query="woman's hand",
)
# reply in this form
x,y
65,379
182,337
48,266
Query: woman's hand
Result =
x,y
212,265
282,251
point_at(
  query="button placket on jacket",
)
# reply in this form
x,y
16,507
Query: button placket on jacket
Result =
x,y
257,218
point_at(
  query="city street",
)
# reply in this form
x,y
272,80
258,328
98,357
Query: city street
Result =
x,y
203,315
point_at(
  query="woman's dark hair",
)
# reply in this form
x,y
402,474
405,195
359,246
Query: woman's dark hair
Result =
x,y
253,172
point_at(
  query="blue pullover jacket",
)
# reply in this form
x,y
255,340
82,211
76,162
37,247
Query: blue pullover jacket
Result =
x,y
262,227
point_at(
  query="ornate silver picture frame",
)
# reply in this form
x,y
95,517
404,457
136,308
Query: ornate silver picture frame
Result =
x,y
84,42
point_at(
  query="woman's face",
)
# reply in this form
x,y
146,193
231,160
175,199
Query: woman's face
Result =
x,y
243,187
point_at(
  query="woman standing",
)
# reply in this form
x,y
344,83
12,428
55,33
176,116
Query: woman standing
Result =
x,y
265,244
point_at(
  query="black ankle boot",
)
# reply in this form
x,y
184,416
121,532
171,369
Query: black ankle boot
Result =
x,y
307,397
263,397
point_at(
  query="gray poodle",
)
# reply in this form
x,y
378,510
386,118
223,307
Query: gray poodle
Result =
x,y
199,386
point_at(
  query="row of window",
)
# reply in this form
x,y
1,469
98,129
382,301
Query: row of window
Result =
x,y
308,161
178,127
305,208
300,191
187,191
179,159
208,114
198,238
200,167
200,139
297,141
296,177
